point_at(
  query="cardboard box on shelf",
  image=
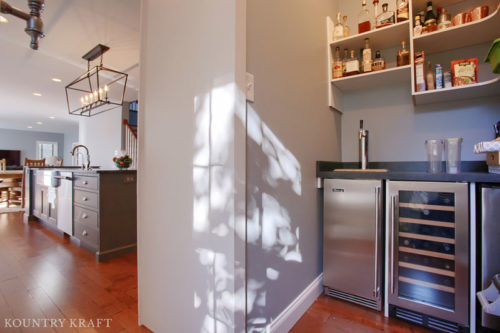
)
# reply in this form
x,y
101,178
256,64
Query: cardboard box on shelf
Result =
x,y
493,158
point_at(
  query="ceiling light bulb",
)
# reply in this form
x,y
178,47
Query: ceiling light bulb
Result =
x,y
29,126
55,79
37,94
39,123
3,19
52,117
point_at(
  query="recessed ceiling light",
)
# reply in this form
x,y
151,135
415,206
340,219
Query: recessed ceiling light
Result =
x,y
52,117
3,19
37,94
29,126
55,79
39,123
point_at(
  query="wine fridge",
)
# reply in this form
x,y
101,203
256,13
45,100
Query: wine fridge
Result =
x,y
429,254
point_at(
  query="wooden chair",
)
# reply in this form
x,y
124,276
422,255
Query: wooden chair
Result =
x,y
34,163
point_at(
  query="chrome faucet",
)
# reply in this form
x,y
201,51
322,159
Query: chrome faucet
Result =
x,y
88,155
363,146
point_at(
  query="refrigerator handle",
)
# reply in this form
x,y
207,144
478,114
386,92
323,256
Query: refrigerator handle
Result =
x,y
376,288
393,216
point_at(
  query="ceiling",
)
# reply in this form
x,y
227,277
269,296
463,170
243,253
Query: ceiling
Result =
x,y
72,27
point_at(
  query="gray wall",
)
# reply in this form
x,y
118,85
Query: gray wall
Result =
x,y
398,129
26,141
290,126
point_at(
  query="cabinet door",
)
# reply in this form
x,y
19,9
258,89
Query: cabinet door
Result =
x,y
429,249
37,209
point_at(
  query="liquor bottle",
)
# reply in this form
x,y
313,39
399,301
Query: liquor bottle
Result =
x,y
417,29
444,20
403,57
386,17
376,12
367,57
347,30
403,12
439,77
337,64
352,64
344,60
338,29
430,18
364,19
429,77
379,62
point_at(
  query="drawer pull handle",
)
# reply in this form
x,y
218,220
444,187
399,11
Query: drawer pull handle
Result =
x,y
84,233
84,216
85,199
85,182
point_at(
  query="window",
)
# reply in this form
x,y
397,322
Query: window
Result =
x,y
45,149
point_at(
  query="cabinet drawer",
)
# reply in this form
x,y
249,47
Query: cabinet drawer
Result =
x,y
88,199
87,235
90,183
86,217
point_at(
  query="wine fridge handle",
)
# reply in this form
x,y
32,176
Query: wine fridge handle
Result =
x,y
392,239
376,288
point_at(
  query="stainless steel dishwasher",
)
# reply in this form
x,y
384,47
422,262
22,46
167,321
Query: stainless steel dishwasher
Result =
x,y
352,250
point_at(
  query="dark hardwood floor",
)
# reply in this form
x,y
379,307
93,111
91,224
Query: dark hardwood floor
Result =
x,y
44,275
329,315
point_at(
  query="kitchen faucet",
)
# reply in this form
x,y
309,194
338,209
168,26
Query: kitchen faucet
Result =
x,y
363,145
88,155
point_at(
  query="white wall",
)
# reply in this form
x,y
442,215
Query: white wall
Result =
x,y
290,127
191,174
102,135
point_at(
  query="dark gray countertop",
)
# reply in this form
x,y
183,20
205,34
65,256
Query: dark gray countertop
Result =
x,y
407,171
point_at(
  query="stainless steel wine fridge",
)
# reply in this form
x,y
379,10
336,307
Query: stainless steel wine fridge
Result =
x,y
428,247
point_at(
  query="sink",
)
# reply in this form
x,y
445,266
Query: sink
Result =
x,y
360,170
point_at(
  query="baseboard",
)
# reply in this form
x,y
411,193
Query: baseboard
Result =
x,y
284,322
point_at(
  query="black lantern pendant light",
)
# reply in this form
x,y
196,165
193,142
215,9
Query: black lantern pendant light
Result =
x,y
98,90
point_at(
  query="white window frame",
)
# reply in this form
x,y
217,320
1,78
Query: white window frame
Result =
x,y
38,148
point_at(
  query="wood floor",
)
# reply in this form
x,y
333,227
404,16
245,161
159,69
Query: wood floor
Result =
x,y
329,315
44,275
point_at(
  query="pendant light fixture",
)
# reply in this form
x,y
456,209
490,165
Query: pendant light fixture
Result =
x,y
98,90
34,24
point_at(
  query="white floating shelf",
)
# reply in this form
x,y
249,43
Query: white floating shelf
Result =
x,y
477,32
383,38
378,79
481,89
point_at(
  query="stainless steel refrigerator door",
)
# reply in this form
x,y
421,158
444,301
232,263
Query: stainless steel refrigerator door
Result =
x,y
352,237
490,209
423,286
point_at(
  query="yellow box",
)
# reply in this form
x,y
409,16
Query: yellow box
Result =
x,y
493,158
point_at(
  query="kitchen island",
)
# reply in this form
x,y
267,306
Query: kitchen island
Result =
x,y
96,208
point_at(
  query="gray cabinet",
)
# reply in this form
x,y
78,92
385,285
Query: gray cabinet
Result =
x,y
105,212
44,200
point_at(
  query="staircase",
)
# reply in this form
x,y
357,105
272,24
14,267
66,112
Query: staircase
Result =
x,y
131,143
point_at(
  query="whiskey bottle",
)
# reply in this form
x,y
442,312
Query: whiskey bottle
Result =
x,y
352,64
338,30
347,30
376,11
430,18
344,60
403,12
337,64
385,18
367,57
403,57
379,62
364,19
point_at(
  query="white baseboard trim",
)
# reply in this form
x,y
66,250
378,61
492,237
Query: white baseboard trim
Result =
x,y
284,322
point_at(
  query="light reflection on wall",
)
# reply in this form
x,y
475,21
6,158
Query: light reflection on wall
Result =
x,y
270,229
217,298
